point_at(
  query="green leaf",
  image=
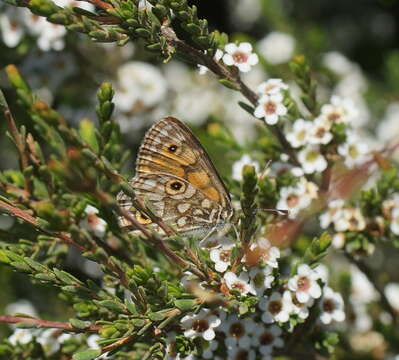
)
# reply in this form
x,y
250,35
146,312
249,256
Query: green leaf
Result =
x,y
229,84
185,304
248,108
86,354
87,132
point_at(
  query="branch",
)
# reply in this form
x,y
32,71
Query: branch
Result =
x,y
224,72
40,323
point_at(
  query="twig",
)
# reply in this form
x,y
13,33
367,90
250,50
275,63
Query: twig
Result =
x,y
40,323
371,276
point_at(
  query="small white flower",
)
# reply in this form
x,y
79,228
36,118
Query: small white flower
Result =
x,y
92,222
350,219
312,160
271,86
240,56
338,240
320,132
265,339
304,284
237,331
261,279
322,271
389,205
238,165
363,290
49,341
22,336
301,308
299,134
277,47
394,225
392,293
339,111
353,151
201,324
92,344
21,307
270,107
239,283
294,198
261,252
332,306
221,256
10,28
202,70
332,214
276,308
139,83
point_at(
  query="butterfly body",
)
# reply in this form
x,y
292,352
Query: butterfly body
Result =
x,y
176,176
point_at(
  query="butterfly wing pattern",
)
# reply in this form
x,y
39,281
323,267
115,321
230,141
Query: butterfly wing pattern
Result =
x,y
175,174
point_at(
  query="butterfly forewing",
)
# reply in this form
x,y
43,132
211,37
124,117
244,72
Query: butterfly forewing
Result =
x,y
176,175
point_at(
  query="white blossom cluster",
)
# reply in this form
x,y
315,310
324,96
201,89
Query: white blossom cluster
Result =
x,y
16,23
261,333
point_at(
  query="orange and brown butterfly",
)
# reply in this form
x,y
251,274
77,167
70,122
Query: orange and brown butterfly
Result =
x,y
176,176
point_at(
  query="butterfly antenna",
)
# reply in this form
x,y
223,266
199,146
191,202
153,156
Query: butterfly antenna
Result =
x,y
281,212
265,170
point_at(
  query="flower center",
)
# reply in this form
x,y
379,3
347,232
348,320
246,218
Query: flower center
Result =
x,y
270,107
333,116
311,156
237,330
292,200
328,306
301,135
266,338
238,286
303,283
242,355
200,325
259,279
275,307
353,152
225,255
240,57
320,132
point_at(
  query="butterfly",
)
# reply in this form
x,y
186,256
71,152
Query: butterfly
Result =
x,y
177,177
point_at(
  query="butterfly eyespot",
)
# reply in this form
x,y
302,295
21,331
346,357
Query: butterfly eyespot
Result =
x,y
174,187
142,219
172,148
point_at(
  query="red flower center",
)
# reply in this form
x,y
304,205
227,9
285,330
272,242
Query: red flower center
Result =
x,y
303,283
240,57
266,338
237,330
275,307
200,325
270,107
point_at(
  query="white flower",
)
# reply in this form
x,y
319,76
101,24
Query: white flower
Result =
x,y
294,198
49,341
277,47
221,256
299,134
332,214
92,343
363,290
394,225
201,324
202,70
92,222
301,308
332,306
353,151
338,240
392,293
261,252
74,3
322,271
389,205
22,336
320,132
312,160
238,165
350,219
237,331
261,279
339,111
304,284
139,83
10,28
338,63
265,339
240,56
276,308
271,86
388,128
21,307
270,107
239,283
